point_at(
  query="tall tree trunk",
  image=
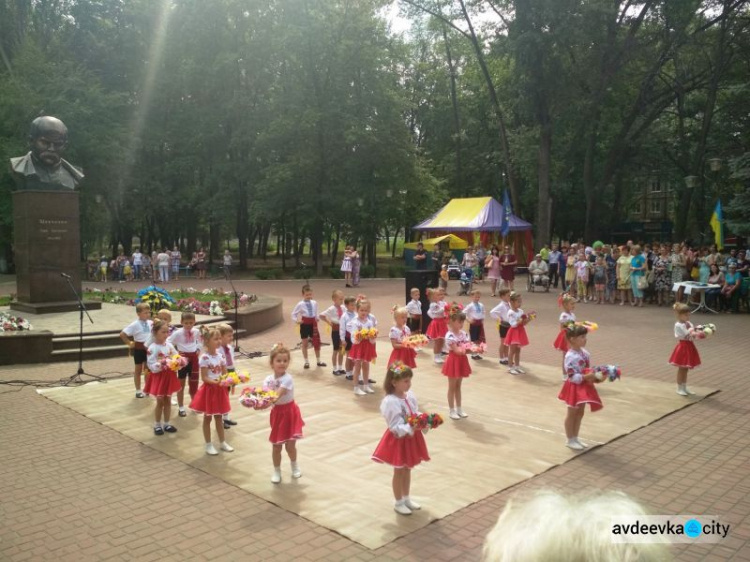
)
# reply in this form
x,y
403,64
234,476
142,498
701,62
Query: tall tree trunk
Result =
x,y
456,115
242,220
334,254
543,228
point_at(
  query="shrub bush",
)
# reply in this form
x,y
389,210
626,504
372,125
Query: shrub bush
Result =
x,y
265,274
367,271
396,271
336,273
302,274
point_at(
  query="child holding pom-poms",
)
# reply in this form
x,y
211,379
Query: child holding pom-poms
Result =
x,y
286,419
212,399
402,446
363,334
578,388
456,367
438,325
567,317
399,332
685,355
516,337
162,381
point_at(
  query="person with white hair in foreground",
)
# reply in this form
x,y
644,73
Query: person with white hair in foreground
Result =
x,y
565,528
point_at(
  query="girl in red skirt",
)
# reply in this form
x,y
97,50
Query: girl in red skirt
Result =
x,y
567,317
685,355
363,350
405,355
516,337
401,446
578,388
456,367
161,382
212,399
438,324
286,420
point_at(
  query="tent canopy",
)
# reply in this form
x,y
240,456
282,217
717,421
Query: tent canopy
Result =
x,y
454,243
474,214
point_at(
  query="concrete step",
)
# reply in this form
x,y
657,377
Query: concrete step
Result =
x,y
96,347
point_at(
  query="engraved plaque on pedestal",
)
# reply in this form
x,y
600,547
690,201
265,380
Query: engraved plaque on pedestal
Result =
x,y
47,243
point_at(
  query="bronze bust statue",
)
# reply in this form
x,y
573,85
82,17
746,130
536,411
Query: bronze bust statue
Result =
x,y
43,168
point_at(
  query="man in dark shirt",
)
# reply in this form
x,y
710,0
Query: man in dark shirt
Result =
x,y
420,257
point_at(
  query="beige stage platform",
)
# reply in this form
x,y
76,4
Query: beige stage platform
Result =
x,y
513,433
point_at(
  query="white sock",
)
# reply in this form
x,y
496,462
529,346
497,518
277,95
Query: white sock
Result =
x,y
402,501
157,424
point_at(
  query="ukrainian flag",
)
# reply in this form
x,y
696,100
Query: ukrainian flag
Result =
x,y
717,226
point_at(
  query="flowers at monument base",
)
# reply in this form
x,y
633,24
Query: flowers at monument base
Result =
x,y
10,323
156,298
214,309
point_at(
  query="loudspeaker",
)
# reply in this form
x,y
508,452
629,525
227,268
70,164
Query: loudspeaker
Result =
x,y
422,279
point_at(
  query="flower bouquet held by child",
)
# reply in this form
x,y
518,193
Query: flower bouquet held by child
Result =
x,y
257,398
604,372
423,421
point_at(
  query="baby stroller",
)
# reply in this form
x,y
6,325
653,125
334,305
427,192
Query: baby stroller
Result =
x,y
466,281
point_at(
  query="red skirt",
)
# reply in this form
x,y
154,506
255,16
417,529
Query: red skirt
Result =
x,y
163,383
211,400
286,423
685,354
580,394
456,366
405,355
364,350
406,452
437,329
561,343
516,336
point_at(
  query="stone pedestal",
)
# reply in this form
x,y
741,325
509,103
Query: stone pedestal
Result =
x,y
47,243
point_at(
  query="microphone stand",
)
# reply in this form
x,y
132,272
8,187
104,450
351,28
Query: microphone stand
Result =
x,y
77,378
237,349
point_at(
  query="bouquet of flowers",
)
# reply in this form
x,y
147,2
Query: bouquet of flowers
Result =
x,y
233,379
452,307
531,315
474,348
174,362
416,341
10,323
703,331
257,398
156,298
425,421
365,334
611,372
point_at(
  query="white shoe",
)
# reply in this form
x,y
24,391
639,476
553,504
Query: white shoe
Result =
x,y
276,477
439,360
359,392
461,413
575,445
174,400
690,392
520,370
454,415
514,371
226,447
210,449
582,444
681,391
296,472
401,509
368,389
414,506
139,394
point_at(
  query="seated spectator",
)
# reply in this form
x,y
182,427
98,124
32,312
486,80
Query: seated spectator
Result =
x,y
550,526
730,292
539,270
716,277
